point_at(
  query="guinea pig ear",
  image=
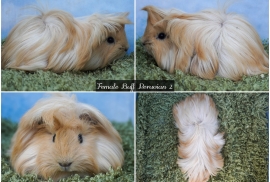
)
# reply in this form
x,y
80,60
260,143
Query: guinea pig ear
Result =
x,y
154,14
86,117
39,121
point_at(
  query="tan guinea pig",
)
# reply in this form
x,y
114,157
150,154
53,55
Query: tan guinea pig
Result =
x,y
56,41
60,137
205,44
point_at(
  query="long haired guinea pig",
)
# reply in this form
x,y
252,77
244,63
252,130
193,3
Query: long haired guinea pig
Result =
x,y
206,44
59,137
200,142
56,41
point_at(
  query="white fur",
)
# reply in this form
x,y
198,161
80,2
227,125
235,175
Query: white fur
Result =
x,y
170,55
200,142
108,154
27,159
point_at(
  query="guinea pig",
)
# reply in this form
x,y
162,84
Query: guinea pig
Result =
x,y
205,44
56,41
200,143
60,137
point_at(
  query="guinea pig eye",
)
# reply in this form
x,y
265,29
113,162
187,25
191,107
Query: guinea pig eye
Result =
x,y
53,139
161,36
110,40
80,138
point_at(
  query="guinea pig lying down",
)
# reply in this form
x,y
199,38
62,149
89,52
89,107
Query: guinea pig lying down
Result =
x,y
200,142
56,41
60,137
205,44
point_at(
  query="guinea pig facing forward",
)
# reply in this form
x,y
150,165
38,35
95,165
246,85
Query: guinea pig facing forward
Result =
x,y
56,41
205,44
59,137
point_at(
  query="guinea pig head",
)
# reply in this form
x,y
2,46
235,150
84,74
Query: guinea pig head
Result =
x,y
58,141
108,39
157,41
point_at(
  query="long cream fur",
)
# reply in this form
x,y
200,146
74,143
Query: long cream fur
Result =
x,y
200,142
56,41
48,138
206,44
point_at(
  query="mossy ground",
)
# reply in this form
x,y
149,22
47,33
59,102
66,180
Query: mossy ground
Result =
x,y
147,69
121,175
242,118
17,80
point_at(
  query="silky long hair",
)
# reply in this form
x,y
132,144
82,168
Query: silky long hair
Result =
x,y
206,44
199,141
60,137
55,40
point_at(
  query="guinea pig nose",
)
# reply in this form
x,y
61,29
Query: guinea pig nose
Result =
x,y
65,164
126,49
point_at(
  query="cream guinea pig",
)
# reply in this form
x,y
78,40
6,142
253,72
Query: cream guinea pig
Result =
x,y
205,44
60,137
56,41
200,143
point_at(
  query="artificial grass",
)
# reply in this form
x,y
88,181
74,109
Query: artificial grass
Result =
x,y
126,131
242,117
17,80
147,69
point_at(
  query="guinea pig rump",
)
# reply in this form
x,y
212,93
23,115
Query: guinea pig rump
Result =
x,y
199,141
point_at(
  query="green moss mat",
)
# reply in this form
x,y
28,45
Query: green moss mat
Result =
x,y
126,131
147,69
16,80
243,119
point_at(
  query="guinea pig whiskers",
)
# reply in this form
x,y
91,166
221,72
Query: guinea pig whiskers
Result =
x,y
125,49
220,47
146,43
64,146
59,42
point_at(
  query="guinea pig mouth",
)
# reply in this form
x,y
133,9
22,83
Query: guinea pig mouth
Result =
x,y
149,50
147,45
118,56
66,169
65,166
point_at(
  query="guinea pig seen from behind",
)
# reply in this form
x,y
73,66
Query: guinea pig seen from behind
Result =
x,y
60,137
205,44
56,41
200,142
